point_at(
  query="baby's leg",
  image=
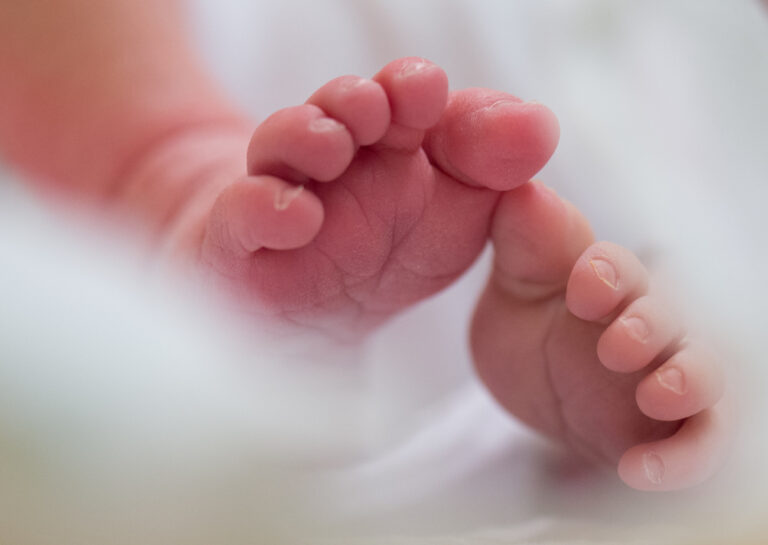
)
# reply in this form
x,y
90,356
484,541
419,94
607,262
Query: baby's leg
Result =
x,y
90,89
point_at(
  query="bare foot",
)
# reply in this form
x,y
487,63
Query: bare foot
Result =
x,y
371,196
568,339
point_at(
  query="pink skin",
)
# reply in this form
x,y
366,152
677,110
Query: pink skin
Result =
x,y
567,338
371,196
566,335
402,184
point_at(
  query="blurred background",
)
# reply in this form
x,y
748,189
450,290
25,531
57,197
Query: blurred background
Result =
x,y
663,114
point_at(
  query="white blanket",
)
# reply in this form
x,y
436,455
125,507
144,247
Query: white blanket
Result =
x,y
663,115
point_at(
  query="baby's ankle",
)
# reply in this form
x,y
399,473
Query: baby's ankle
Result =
x,y
184,168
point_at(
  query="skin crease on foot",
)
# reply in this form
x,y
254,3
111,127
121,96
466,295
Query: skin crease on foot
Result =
x,y
375,194
568,339
371,196
378,193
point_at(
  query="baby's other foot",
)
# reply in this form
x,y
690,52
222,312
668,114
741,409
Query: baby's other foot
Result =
x,y
371,196
568,339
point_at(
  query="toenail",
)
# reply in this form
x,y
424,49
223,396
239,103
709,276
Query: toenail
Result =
x,y
501,103
671,379
414,68
353,83
653,466
286,196
605,272
636,327
324,124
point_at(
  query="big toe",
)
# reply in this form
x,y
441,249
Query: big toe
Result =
x,y
537,237
492,139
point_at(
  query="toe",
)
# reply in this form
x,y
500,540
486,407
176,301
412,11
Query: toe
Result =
x,y
417,91
687,383
261,211
537,237
360,104
688,458
492,139
639,335
603,281
300,143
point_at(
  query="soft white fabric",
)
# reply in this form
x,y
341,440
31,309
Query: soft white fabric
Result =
x,y
663,114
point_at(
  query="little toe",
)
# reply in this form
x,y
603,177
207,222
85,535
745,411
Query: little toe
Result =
x,y
261,212
603,281
492,139
360,104
639,335
300,143
687,383
688,458
537,236
418,92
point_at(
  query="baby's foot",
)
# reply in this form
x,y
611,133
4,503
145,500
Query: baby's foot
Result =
x,y
568,339
372,195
